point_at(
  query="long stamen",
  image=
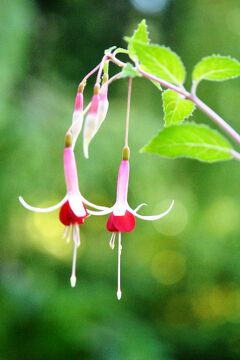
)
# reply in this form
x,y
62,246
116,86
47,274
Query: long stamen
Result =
x,y
69,234
76,243
112,241
73,278
119,292
78,235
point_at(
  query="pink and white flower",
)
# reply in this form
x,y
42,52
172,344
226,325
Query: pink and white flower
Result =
x,y
122,216
91,121
103,104
73,211
96,115
77,118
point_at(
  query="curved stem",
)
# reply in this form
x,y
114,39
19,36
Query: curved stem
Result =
x,y
199,103
91,73
100,70
215,117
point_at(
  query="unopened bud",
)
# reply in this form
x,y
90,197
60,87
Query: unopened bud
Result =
x,y
68,140
126,153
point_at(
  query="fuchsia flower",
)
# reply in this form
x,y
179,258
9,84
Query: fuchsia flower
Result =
x,y
103,104
122,217
96,115
73,210
91,122
77,118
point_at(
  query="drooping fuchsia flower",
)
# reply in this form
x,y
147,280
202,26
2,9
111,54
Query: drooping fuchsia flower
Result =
x,y
77,118
91,121
103,104
96,115
122,216
73,211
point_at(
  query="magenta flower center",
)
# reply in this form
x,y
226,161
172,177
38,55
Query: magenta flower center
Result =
x,y
124,223
67,216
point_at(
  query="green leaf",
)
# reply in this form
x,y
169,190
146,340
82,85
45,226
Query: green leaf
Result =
x,y
159,61
109,50
192,141
129,71
120,51
175,108
141,34
216,68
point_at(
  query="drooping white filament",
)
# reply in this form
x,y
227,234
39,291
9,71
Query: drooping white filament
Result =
x,y
67,233
112,241
119,292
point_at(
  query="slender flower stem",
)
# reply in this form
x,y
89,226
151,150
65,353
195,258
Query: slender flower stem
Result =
x,y
164,83
91,73
128,110
116,61
100,70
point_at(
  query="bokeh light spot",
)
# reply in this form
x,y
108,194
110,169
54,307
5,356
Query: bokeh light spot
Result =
x,y
222,217
46,233
168,267
175,222
149,7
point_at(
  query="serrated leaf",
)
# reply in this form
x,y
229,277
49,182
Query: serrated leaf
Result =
x,y
216,68
155,83
129,71
140,34
176,109
160,61
192,141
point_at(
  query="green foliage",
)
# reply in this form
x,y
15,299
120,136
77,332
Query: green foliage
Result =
x,y
176,108
160,61
140,34
191,141
216,68
129,71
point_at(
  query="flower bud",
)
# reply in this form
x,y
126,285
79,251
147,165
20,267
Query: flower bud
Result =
x,y
91,122
103,104
77,118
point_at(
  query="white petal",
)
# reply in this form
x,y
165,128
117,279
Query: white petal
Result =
x,y
100,213
154,217
42,210
139,207
76,204
88,203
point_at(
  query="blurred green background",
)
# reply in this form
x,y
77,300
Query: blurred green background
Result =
x,y
180,275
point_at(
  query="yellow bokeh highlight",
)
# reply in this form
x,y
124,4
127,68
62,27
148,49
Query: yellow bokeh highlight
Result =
x,y
45,232
222,217
219,303
175,222
168,267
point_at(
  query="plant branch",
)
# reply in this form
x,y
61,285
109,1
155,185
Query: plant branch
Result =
x,y
199,103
